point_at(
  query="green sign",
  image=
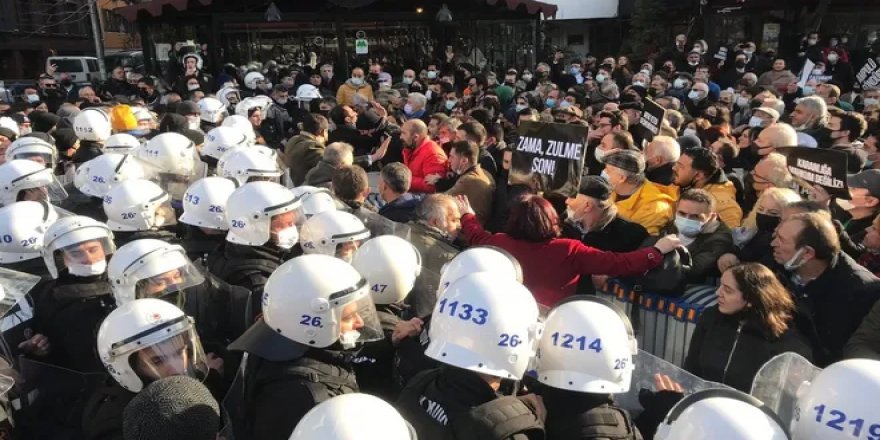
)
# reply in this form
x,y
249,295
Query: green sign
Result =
x,y
361,46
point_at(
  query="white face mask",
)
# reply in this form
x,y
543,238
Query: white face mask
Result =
x,y
742,102
793,263
527,77
639,83
192,87
600,78
33,98
694,95
287,238
755,122
689,131
678,83
357,81
408,109
349,339
282,101
521,107
832,57
87,270
871,101
600,153
432,74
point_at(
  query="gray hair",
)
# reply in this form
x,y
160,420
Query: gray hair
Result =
x,y
779,176
338,153
397,177
433,208
667,148
419,99
817,107
675,119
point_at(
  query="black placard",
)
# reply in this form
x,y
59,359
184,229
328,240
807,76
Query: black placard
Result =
x,y
818,166
651,120
869,75
550,156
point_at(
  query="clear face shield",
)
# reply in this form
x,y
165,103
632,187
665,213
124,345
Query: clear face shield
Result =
x,y
87,258
174,184
169,285
43,187
357,318
163,216
346,249
47,158
178,355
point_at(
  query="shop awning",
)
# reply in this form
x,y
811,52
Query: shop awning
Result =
x,y
533,6
154,7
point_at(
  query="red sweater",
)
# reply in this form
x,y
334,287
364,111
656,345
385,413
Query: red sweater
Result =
x,y
551,269
426,159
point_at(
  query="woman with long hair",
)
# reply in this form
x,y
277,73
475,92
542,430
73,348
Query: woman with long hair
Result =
x,y
752,323
551,265
752,239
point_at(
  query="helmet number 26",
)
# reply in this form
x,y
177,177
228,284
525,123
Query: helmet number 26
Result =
x,y
466,311
568,340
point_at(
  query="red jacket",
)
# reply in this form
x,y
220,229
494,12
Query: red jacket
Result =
x,y
428,158
551,269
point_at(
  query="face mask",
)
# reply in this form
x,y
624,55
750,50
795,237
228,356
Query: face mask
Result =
x,y
600,78
193,120
357,81
693,63
604,175
450,104
139,133
282,101
432,74
766,223
527,77
25,130
600,153
33,98
812,41
192,87
87,270
793,263
818,71
408,109
349,339
678,83
871,101
742,101
694,95
639,83
287,238
846,205
808,91
689,132
575,71
755,122
327,76
832,57
564,104
550,102
688,227
740,64
521,107
748,52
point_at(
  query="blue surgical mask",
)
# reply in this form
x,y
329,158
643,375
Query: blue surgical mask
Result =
x,y
688,227
808,90
564,104
575,71
550,102
450,104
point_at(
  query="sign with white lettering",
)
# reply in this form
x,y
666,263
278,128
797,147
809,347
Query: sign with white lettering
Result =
x,y
651,120
818,166
550,156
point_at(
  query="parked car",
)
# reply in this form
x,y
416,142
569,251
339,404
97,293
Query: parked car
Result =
x,y
80,69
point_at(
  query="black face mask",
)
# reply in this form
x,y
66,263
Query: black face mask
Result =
x,y
66,83
823,137
766,223
740,64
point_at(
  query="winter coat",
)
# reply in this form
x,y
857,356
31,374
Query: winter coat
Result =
x,y
426,159
350,94
301,154
321,175
401,209
865,342
479,187
705,250
552,268
650,206
731,348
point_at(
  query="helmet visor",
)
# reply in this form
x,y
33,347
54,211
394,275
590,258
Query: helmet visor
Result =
x,y
87,252
44,187
45,158
174,184
164,215
178,355
358,320
170,284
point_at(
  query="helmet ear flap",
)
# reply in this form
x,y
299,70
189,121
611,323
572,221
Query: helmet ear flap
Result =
x,y
320,305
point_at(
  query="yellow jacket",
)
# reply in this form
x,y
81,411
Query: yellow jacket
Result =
x,y
349,94
650,206
725,203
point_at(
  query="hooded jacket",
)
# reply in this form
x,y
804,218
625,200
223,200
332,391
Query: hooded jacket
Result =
x,y
650,206
350,94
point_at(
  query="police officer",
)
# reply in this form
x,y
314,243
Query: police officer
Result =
x,y
150,268
483,330
35,149
140,342
391,265
94,179
316,311
93,128
249,164
721,414
204,216
584,356
353,417
138,209
22,229
69,309
173,163
334,233
218,141
28,180
262,218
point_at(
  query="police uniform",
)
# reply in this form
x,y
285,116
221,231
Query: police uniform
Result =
x,y
121,238
374,363
81,203
585,416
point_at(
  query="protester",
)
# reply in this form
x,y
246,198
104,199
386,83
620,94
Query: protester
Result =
x,y
636,198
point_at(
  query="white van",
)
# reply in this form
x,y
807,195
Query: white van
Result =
x,y
80,69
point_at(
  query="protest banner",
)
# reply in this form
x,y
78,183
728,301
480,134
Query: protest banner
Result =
x,y
549,156
652,118
817,166
869,74
806,72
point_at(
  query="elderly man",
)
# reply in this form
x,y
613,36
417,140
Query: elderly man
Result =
x,y
776,136
763,117
637,199
434,232
771,171
394,182
87,94
335,155
422,156
660,157
415,107
698,99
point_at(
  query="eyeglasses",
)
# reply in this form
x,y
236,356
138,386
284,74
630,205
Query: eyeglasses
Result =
x,y
50,86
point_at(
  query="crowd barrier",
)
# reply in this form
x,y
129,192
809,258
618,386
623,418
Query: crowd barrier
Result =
x,y
664,326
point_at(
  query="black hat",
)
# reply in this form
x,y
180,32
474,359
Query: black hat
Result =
x,y
188,108
43,121
197,137
627,160
631,105
595,187
65,138
868,179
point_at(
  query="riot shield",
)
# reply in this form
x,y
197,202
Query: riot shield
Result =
x,y
435,252
16,310
232,405
647,366
377,224
778,381
48,401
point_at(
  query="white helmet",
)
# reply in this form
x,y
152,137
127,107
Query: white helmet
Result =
x,y
242,123
97,176
245,163
138,205
391,265
334,233
224,94
173,162
22,227
831,406
204,204
353,417
7,122
246,104
250,209
307,92
151,268
121,143
485,324
79,243
222,139
211,110
252,78
197,57
315,200
20,175
587,347
318,300
35,149
92,124
720,414
480,259
157,329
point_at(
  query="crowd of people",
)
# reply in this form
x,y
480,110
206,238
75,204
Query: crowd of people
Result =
x,y
356,249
